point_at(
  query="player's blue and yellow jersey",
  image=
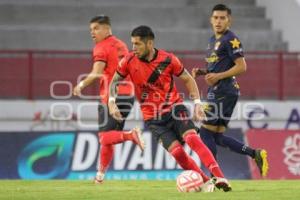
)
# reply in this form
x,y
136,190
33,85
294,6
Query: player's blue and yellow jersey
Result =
x,y
220,57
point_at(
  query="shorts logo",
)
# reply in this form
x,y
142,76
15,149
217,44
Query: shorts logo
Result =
x,y
183,117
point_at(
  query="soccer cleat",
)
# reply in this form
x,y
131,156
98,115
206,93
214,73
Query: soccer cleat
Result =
x,y
99,178
208,186
261,161
222,183
138,138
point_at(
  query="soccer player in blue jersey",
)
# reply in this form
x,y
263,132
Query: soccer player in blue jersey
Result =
x,y
225,60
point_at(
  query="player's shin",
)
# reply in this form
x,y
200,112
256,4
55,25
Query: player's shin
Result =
x,y
207,137
185,161
116,137
111,137
196,144
106,156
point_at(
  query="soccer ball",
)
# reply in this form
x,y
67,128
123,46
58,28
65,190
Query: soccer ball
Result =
x,y
189,181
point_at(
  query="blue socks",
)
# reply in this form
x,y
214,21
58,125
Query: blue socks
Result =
x,y
211,139
208,139
233,144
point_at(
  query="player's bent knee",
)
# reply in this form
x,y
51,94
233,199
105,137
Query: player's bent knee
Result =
x,y
173,146
221,129
188,132
101,138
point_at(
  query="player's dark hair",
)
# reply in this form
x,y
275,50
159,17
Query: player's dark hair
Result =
x,y
144,32
221,7
101,19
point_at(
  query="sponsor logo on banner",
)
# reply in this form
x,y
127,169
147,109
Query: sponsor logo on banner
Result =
x,y
75,155
283,147
291,151
55,149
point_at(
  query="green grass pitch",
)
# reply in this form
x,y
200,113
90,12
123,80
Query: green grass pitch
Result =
x,y
143,190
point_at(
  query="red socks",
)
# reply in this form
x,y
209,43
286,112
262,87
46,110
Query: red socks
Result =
x,y
185,161
207,158
114,137
107,140
106,155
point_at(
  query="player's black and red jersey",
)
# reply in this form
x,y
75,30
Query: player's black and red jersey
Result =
x,y
220,57
110,50
153,81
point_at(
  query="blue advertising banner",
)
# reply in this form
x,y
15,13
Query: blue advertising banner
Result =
x,y
35,155
75,155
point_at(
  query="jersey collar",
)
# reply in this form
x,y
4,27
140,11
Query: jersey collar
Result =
x,y
154,57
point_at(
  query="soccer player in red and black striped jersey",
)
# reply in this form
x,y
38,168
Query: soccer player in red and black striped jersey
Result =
x,y
164,113
107,53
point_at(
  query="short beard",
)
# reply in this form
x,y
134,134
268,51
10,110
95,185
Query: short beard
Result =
x,y
145,55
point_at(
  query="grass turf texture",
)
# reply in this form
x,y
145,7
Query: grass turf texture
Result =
x,y
140,190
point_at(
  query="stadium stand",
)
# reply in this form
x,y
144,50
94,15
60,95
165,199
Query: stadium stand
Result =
x,y
30,30
179,24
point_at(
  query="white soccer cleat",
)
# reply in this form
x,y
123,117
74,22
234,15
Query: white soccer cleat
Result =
x,y
208,186
222,183
138,138
99,178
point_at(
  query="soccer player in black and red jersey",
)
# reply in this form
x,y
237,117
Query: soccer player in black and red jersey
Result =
x,y
164,113
107,53
225,60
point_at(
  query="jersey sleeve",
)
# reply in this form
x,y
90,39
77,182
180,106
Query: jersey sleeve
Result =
x,y
99,54
234,47
177,67
122,50
122,69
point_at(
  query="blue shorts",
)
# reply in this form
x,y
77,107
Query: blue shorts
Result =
x,y
219,108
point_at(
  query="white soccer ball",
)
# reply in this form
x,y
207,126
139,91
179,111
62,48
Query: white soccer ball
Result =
x,y
189,181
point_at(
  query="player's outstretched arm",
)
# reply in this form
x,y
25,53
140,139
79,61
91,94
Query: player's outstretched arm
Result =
x,y
97,70
113,108
198,72
192,88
